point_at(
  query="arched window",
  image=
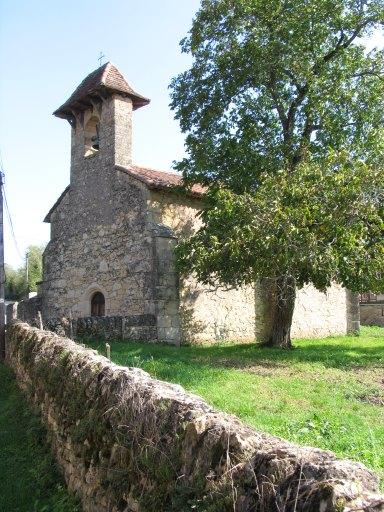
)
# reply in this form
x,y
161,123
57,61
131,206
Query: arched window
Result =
x,y
91,136
97,304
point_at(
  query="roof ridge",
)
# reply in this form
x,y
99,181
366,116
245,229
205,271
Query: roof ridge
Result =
x,y
146,168
105,72
157,179
106,78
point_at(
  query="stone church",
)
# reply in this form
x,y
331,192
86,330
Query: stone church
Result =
x,y
114,228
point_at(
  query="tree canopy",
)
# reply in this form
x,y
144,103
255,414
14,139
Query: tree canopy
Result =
x,y
273,82
317,225
283,110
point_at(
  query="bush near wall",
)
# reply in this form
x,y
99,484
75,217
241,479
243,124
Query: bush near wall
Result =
x,y
127,442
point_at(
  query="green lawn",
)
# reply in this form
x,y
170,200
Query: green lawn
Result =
x,y
327,393
29,478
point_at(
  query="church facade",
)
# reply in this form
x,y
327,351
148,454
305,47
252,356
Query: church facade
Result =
x,y
114,229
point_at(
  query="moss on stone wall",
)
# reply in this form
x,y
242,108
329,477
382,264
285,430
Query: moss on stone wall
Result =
x,y
127,442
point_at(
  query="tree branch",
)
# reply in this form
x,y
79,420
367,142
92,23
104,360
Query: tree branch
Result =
x,y
369,72
342,44
279,107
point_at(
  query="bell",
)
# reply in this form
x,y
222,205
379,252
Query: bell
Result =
x,y
96,139
95,142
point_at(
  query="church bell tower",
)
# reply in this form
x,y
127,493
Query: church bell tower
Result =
x,y
100,114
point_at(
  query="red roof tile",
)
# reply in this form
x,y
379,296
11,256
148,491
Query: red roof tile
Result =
x,y
106,78
156,179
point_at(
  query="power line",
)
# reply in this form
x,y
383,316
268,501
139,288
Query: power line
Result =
x,y
8,213
10,222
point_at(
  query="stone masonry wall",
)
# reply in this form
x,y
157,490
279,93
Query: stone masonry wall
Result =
x,y
209,314
167,288
100,237
114,256
372,314
320,314
135,327
205,313
129,443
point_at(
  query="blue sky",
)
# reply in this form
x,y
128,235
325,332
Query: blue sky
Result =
x,y
46,49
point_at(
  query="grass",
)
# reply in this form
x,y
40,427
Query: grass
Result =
x,y
327,393
29,481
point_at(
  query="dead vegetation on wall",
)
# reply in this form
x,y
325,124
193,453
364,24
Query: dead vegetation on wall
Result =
x,y
127,442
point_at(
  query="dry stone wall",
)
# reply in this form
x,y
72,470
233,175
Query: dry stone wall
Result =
x,y
26,310
129,443
135,327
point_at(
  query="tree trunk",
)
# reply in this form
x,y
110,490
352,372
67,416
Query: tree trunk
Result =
x,y
282,312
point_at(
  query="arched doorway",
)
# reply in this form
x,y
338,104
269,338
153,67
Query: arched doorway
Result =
x,y
97,304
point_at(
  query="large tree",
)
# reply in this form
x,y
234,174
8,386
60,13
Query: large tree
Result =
x,y
15,283
283,106
35,266
19,282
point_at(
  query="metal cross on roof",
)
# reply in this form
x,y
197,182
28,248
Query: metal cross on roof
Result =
x,y
101,57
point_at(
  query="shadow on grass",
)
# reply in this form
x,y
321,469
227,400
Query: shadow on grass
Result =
x,y
316,408
342,353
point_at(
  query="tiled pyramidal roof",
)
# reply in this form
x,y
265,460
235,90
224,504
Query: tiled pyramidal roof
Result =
x,y
106,79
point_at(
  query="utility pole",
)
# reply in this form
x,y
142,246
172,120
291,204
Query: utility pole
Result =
x,y
2,274
27,273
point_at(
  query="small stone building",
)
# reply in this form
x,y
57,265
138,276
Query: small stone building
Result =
x,y
113,231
